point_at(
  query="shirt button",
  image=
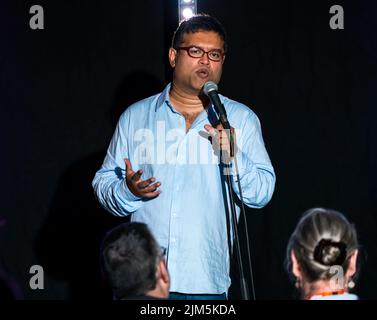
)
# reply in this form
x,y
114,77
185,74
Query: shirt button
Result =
x,y
172,240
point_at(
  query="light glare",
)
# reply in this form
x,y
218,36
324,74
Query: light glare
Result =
x,y
187,13
186,9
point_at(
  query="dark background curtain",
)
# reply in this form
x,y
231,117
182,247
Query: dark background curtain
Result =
x,y
62,90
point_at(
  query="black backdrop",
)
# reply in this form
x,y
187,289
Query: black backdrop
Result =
x,y
62,90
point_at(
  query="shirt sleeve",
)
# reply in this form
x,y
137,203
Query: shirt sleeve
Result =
x,y
109,182
256,174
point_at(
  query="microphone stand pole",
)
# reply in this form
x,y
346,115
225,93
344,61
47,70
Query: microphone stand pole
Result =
x,y
243,283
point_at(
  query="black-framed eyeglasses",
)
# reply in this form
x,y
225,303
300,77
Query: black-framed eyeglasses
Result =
x,y
197,52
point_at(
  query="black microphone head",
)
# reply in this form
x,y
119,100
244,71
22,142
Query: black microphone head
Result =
x,y
209,86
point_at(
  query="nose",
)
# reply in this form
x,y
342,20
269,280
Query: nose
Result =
x,y
204,59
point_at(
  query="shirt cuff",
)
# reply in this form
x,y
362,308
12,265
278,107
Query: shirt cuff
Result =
x,y
125,193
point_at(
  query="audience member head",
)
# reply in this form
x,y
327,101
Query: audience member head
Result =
x,y
133,262
322,253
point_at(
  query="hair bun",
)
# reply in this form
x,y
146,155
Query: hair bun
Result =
x,y
328,252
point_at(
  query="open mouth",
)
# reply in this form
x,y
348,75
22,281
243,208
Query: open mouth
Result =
x,y
203,73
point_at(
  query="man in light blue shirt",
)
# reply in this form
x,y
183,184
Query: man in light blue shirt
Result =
x,y
162,166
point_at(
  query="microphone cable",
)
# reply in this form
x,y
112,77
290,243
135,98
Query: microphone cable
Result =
x,y
246,230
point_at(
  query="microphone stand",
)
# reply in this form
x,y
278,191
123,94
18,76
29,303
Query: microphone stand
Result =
x,y
243,283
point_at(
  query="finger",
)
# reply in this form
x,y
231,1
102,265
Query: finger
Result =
x,y
224,144
219,137
151,188
128,165
146,183
137,175
211,130
152,194
219,127
222,135
225,139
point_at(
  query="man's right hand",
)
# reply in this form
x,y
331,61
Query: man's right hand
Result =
x,y
140,188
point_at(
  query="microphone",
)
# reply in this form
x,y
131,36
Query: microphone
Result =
x,y
210,90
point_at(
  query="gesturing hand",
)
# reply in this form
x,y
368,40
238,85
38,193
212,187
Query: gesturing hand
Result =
x,y
140,188
221,143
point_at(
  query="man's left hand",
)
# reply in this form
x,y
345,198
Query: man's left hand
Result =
x,y
220,141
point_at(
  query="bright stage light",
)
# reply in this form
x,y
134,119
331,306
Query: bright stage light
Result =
x,y
186,9
187,13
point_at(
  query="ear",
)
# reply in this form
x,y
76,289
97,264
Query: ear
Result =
x,y
172,57
164,274
352,266
163,279
296,270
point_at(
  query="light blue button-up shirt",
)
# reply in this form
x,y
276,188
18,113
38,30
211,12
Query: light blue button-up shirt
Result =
x,y
189,216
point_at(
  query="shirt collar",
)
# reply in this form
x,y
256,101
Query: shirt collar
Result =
x,y
165,99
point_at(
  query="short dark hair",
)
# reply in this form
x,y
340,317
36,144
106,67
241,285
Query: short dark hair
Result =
x,y
200,22
129,255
